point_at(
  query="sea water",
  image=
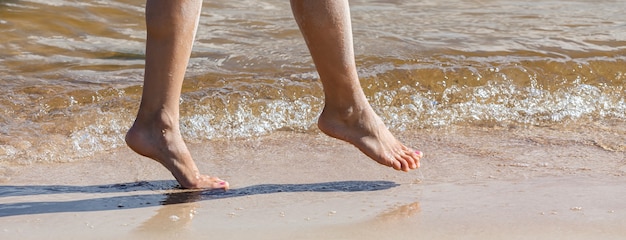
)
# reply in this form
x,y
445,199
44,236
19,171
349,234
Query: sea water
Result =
x,y
71,71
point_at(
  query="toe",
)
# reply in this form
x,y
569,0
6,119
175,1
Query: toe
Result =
x,y
411,161
397,165
415,157
405,165
420,155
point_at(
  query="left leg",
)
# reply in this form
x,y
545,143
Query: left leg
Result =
x,y
171,26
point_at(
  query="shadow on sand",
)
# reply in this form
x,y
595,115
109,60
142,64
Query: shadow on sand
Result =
x,y
166,195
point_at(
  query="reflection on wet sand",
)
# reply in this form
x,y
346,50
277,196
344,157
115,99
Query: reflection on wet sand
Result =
x,y
173,218
400,213
396,219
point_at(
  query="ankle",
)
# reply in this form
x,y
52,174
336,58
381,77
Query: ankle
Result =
x,y
160,119
346,111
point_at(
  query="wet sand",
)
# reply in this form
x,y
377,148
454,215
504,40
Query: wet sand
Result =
x,y
563,182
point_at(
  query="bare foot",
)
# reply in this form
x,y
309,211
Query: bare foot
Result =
x,y
162,142
365,130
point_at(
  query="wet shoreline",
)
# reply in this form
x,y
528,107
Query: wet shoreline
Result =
x,y
475,182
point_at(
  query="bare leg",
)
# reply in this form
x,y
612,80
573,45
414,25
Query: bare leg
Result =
x,y
327,30
171,27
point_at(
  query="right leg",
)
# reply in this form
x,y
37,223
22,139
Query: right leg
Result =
x,y
171,27
327,30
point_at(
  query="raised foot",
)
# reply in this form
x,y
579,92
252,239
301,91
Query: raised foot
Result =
x,y
166,146
365,130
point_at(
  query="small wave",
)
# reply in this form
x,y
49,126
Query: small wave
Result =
x,y
516,93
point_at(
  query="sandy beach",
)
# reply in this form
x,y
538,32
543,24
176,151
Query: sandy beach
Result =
x,y
475,183
519,107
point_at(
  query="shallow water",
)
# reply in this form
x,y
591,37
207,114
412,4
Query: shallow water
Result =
x,y
71,86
